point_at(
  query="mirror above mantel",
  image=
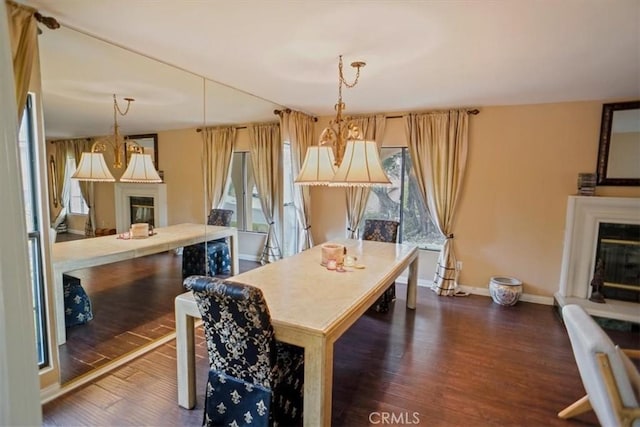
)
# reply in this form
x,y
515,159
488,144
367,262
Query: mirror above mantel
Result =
x,y
619,148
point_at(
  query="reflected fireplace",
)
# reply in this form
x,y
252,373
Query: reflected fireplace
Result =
x,y
141,209
140,203
619,251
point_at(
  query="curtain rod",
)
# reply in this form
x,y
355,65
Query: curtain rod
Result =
x,y
288,110
48,21
236,127
474,112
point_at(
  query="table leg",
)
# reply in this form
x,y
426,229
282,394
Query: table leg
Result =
x,y
185,357
318,382
412,285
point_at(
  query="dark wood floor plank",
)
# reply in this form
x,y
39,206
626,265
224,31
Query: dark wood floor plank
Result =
x,y
451,362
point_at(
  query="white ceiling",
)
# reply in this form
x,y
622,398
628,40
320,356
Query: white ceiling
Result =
x,y
420,54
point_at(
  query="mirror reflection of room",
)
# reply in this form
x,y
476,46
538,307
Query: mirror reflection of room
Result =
x,y
624,145
130,303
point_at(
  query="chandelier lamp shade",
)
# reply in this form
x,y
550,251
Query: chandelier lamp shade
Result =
x,y
93,167
342,158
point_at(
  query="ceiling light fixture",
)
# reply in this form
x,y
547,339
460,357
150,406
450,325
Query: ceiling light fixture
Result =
x,y
341,145
92,166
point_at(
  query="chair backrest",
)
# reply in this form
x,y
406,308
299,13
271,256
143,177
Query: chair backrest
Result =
x,y
380,230
237,325
588,340
220,217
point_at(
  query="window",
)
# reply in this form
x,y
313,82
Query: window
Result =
x,y
401,201
31,191
239,199
242,196
77,205
290,220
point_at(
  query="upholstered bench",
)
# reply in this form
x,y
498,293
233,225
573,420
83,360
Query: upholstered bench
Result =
x,y
77,305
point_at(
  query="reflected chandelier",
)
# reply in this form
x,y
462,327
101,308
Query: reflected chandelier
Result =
x,y
357,161
140,166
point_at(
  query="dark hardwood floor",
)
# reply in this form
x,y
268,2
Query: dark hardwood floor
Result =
x,y
454,361
132,304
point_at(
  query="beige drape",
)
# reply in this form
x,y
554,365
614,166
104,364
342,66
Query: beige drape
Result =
x,y
372,128
86,187
438,146
23,32
297,128
64,149
217,155
266,161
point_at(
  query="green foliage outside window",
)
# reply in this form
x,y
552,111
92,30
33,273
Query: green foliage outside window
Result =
x,y
401,201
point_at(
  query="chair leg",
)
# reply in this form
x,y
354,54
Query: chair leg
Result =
x,y
578,407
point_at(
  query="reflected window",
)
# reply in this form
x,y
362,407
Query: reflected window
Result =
x,y
242,196
77,205
401,201
31,192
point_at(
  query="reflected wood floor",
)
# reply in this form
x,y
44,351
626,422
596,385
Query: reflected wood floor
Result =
x,y
454,361
133,305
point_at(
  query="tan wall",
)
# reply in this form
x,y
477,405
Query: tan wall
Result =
x,y
523,163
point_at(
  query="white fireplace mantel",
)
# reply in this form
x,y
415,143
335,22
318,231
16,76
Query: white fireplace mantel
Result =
x,y
584,215
123,191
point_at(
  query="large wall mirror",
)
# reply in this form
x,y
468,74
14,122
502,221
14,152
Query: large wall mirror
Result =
x,y
619,151
132,300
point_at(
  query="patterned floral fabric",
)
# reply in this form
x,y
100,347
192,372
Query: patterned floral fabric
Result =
x,y
77,305
218,256
216,261
241,344
381,230
220,217
234,402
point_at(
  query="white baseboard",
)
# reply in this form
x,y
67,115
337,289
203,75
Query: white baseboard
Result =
x,y
49,393
536,299
246,257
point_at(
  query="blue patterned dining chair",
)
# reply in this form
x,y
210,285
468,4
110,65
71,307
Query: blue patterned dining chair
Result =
x,y
218,258
382,230
253,378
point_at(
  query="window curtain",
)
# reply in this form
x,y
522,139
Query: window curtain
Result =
x,y
297,128
438,144
23,32
64,150
218,150
372,128
86,187
266,161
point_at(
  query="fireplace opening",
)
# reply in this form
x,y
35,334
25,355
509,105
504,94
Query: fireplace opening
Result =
x,y
141,209
619,249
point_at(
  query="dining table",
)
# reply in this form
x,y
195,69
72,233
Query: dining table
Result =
x,y
311,306
95,251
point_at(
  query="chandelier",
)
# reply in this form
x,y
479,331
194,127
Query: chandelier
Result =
x,y
140,167
342,157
